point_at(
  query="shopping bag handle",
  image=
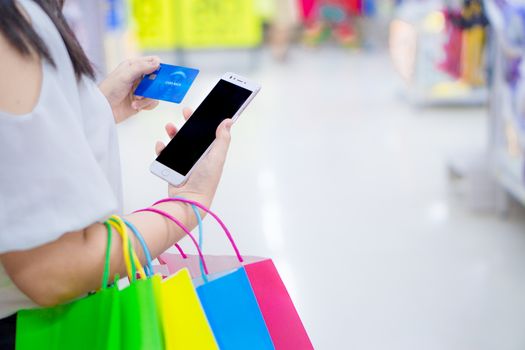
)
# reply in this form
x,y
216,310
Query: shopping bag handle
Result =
x,y
182,226
130,266
107,260
124,252
219,221
200,226
201,238
144,246
148,268
130,256
184,256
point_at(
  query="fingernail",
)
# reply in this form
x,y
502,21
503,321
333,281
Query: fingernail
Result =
x,y
134,105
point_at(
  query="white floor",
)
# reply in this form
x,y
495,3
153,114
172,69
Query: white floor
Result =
x,y
344,185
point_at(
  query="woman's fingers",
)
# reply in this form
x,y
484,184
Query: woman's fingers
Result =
x,y
151,105
137,67
222,142
159,146
171,130
187,112
145,103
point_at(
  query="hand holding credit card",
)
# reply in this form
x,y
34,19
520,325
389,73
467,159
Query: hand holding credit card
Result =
x,y
168,83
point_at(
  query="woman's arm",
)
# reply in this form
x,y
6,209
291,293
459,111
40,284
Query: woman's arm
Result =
x,y
72,265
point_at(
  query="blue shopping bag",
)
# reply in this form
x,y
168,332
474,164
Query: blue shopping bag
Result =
x,y
233,312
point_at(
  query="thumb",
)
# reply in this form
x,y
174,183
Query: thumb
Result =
x,y
138,67
222,141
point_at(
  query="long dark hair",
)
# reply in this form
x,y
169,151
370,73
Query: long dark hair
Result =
x,y
21,35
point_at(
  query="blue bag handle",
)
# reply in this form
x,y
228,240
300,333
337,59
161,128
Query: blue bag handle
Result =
x,y
148,268
199,221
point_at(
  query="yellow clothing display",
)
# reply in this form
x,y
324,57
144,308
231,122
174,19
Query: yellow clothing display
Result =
x,y
170,24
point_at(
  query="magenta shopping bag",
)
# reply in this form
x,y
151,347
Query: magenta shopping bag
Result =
x,y
280,315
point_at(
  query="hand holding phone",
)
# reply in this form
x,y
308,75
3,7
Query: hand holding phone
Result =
x,y
205,178
228,99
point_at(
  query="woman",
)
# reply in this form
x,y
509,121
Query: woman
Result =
x,y
60,172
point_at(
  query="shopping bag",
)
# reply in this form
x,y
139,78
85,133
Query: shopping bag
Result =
x,y
281,318
141,326
233,312
73,325
279,313
230,305
184,323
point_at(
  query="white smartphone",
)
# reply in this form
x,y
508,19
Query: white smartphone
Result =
x,y
228,99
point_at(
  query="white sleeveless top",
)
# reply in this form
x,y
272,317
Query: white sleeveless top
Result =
x,y
60,166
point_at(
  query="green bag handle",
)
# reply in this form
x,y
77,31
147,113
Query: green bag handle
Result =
x,y
105,275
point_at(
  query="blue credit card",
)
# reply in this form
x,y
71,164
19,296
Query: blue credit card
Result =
x,y
168,83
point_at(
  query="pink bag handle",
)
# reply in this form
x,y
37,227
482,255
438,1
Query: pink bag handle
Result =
x,y
184,256
219,221
184,228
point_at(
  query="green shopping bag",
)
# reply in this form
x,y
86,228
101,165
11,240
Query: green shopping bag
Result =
x,y
184,323
140,319
92,322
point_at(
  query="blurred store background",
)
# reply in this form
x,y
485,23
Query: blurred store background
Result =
x,y
381,166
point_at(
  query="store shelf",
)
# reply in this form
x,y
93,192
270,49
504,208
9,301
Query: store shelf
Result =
x,y
474,97
507,133
509,174
419,35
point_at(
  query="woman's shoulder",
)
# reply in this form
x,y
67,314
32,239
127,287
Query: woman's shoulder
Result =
x,y
21,79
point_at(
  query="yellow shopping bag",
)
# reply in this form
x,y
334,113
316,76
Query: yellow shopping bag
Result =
x,y
184,321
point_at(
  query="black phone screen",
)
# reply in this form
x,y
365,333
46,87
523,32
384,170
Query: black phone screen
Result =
x,y
197,134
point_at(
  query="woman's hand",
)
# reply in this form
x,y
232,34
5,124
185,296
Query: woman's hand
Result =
x,y
119,85
204,179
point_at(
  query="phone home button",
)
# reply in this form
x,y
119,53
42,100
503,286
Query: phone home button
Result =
x,y
165,172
